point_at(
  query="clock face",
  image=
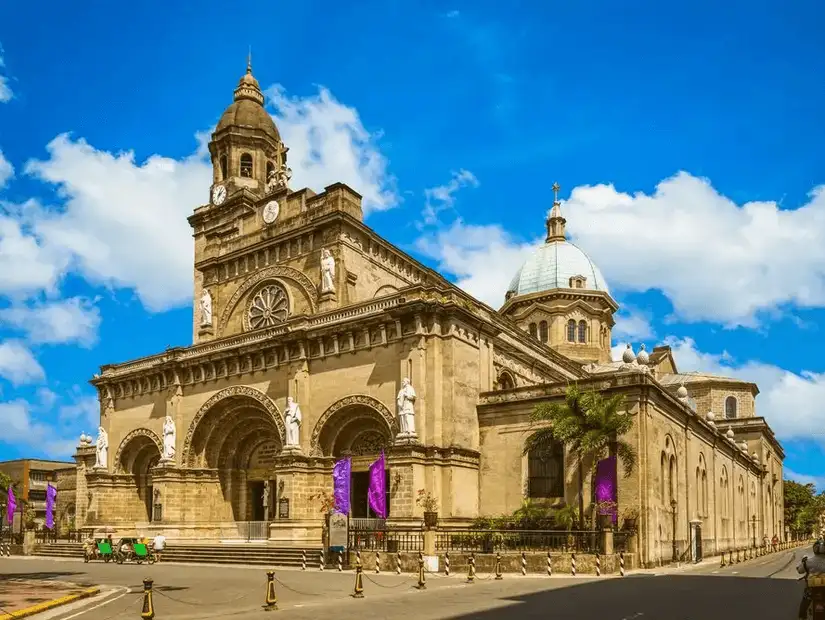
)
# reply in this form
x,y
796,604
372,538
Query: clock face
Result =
x,y
218,195
271,211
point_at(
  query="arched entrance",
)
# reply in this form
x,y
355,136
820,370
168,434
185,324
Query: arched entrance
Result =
x,y
137,454
359,427
239,432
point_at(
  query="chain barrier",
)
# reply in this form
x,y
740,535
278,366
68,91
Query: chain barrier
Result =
x,y
193,604
286,587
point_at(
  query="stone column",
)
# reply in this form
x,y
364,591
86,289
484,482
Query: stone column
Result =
x,y
85,459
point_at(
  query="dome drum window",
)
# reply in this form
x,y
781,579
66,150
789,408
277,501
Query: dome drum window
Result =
x,y
246,165
578,282
543,332
571,331
269,306
730,407
534,331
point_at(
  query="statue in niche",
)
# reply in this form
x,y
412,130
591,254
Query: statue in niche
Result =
x,y
271,181
292,421
169,437
406,409
206,309
101,449
327,272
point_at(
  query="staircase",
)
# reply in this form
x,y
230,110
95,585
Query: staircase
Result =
x,y
258,554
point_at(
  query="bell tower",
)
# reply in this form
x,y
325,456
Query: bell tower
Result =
x,y
246,148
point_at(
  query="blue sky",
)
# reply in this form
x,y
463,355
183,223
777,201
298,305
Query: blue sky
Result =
x,y
687,140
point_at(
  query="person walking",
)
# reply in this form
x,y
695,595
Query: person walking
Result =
x,y
158,545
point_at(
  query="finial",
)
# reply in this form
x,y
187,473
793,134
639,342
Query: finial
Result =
x,y
556,188
555,222
249,61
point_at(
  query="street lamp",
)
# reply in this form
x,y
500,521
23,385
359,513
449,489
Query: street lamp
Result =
x,y
753,519
673,507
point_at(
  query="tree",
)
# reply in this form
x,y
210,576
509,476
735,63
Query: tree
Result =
x,y
5,482
803,507
590,426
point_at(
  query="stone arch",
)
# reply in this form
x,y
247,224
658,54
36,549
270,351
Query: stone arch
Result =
x,y
325,436
385,290
506,380
130,438
237,397
275,273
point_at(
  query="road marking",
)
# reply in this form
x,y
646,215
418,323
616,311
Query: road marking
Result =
x,y
106,602
734,572
638,614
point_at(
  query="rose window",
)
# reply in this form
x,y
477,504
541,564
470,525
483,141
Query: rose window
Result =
x,y
269,307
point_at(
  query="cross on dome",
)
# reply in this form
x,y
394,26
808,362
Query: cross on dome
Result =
x,y
555,221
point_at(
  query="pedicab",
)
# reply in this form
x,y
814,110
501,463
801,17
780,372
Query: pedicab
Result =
x,y
102,550
135,551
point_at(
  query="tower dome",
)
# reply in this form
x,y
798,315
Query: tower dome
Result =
x,y
247,110
557,263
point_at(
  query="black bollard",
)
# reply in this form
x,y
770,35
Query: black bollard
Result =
x,y
148,610
422,581
359,583
499,576
270,602
471,568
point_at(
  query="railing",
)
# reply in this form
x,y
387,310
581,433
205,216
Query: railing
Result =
x,y
52,536
253,530
364,524
491,541
391,541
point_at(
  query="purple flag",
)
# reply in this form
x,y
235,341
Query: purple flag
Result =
x,y
377,494
341,476
607,485
51,498
11,506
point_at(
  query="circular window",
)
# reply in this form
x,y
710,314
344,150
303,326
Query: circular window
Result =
x,y
269,307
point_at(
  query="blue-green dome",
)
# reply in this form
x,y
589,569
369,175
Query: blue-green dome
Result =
x,y
552,265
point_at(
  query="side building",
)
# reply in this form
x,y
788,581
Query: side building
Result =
x,y
30,478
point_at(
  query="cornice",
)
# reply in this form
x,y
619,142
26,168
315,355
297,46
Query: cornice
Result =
x,y
571,294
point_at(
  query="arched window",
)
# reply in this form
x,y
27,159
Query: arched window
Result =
x,y
671,479
505,381
663,489
224,167
571,331
582,331
533,331
246,165
545,472
543,331
705,493
730,407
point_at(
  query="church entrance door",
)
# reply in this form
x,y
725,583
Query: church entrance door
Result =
x,y
256,501
359,491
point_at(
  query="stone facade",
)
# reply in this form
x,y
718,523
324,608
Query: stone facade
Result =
x,y
272,320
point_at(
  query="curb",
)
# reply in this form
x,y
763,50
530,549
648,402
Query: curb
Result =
x,y
40,607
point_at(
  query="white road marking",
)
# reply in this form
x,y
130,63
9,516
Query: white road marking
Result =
x,y
106,602
638,614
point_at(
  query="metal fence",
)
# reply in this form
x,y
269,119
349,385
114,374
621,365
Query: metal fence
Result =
x,y
52,536
491,541
253,530
390,541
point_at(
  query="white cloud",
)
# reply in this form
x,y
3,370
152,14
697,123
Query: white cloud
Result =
x,y
328,143
123,223
483,258
69,320
817,481
20,427
46,398
714,259
791,402
5,89
633,324
6,170
18,365
85,410
442,197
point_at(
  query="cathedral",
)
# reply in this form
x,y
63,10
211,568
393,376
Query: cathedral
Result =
x,y
314,339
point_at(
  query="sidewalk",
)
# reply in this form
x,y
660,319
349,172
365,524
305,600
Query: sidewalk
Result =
x,y
20,598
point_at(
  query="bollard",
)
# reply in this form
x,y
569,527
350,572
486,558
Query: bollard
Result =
x,y
377,562
499,576
358,556
737,557
598,565
730,558
422,580
303,560
447,563
270,602
321,561
722,563
621,563
397,563
148,610
358,592
471,568
573,564
340,561
523,563
549,565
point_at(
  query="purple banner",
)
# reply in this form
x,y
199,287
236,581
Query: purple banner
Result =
x,y
11,506
377,494
341,476
607,486
51,499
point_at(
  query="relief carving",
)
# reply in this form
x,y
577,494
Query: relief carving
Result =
x,y
349,401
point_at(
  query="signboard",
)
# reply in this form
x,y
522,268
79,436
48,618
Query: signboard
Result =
x,y
264,457
17,523
283,508
338,530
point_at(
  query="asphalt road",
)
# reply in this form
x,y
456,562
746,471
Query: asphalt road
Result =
x,y
764,588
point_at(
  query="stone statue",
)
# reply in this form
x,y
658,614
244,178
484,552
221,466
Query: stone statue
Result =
x,y
266,496
327,272
206,309
292,421
169,436
101,449
271,181
406,409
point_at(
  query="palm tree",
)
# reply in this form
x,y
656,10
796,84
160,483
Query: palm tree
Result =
x,y
589,425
